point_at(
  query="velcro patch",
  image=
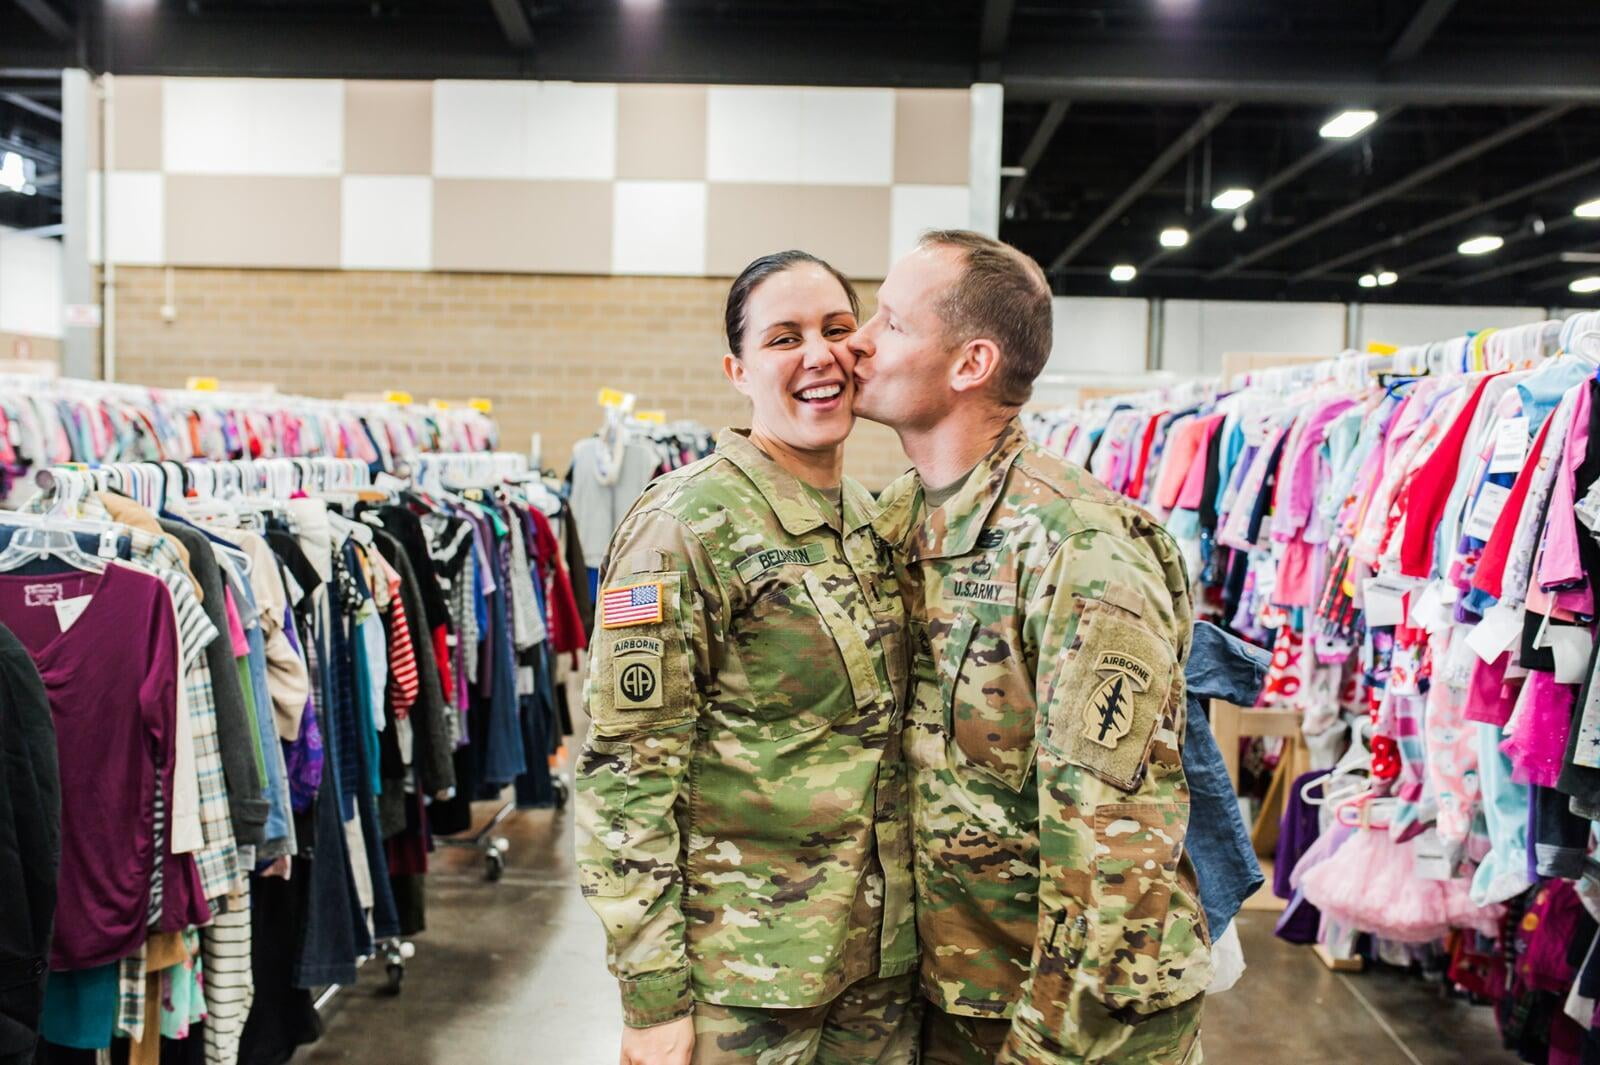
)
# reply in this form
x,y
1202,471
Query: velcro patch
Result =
x,y
753,566
1111,694
631,604
638,682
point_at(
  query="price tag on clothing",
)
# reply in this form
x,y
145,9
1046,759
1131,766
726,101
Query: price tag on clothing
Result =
x,y
1491,501
1430,610
108,544
1384,600
1510,446
1492,636
1432,859
69,610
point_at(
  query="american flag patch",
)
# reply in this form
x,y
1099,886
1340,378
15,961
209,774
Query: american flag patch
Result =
x,y
635,604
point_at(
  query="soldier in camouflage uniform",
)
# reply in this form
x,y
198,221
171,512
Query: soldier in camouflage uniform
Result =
x,y
741,796
1057,908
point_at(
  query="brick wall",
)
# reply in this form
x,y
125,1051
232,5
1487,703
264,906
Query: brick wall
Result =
x,y
25,347
540,346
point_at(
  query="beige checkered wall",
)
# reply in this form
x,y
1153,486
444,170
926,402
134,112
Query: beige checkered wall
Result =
x,y
523,177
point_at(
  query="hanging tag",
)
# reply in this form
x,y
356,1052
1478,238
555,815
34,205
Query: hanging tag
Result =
x,y
1571,646
1492,636
108,544
1510,446
69,610
1384,600
1429,610
1430,860
1491,501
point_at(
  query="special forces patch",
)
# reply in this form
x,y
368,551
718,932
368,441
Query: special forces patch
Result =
x,y
1110,713
1111,695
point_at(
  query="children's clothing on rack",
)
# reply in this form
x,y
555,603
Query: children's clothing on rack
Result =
x,y
610,471
250,669
1413,537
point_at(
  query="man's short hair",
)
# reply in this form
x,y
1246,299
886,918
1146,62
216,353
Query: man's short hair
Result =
x,y
1002,295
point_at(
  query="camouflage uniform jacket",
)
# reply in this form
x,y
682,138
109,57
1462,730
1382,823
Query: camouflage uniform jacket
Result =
x,y
741,804
1049,622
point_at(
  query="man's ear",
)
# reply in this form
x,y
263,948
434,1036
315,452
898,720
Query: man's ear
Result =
x,y
733,370
976,365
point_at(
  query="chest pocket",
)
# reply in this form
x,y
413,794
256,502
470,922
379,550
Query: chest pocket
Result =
x,y
806,661
988,698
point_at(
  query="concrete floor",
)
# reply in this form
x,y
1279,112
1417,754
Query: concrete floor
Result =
x,y
514,972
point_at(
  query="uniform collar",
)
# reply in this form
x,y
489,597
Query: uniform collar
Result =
x,y
795,507
953,528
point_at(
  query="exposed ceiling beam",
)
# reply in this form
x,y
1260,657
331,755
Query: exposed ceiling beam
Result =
x,y
1176,72
1511,239
513,23
48,19
1410,181
1208,121
37,154
1034,152
1524,237
1424,21
1520,266
1322,151
1476,210
16,99
993,36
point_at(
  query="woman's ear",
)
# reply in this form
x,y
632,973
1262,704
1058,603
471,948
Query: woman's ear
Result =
x,y
733,370
976,365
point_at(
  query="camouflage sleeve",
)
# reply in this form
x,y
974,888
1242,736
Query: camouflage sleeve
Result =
x,y
1119,950
659,605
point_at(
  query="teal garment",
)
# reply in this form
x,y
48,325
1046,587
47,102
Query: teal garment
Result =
x,y
80,1007
1503,874
366,694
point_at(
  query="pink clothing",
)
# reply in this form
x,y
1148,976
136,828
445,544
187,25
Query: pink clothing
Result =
x,y
241,643
1560,569
1194,482
1452,750
1183,443
1489,697
1537,745
1298,475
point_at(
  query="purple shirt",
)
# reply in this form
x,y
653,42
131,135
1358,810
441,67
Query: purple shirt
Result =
x,y
112,680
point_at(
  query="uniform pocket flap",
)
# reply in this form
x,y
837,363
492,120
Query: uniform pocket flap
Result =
x,y
852,645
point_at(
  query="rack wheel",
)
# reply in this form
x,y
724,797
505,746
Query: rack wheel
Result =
x,y
561,793
397,975
494,865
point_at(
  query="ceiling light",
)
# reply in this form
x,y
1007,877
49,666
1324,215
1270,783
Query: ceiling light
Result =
x,y
1387,278
11,174
1590,209
1367,281
1174,237
1240,222
1123,272
1347,124
1480,245
1232,199
1585,285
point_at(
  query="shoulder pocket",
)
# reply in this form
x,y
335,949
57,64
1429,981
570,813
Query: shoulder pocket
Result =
x,y
641,674
1111,692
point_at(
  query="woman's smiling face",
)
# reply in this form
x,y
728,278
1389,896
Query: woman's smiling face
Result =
x,y
799,376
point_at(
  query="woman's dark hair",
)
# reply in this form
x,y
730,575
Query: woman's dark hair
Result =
x,y
759,271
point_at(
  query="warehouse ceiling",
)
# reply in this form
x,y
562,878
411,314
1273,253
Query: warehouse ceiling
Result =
x,y
1123,118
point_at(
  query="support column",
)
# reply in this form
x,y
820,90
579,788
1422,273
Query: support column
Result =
x,y
80,335
983,174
